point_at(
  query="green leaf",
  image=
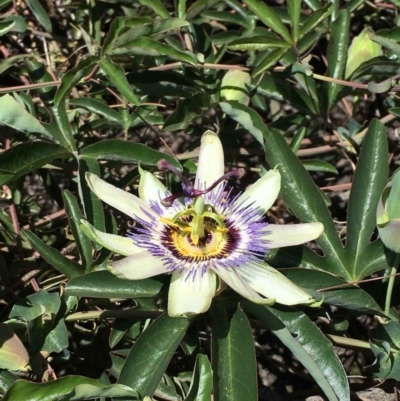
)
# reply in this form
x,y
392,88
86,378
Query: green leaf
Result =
x,y
387,364
273,87
153,28
294,9
73,76
201,384
116,75
6,380
335,290
126,152
319,165
36,305
368,183
149,357
315,19
258,42
198,6
167,391
13,354
187,111
70,388
121,327
231,18
92,205
40,14
388,43
298,190
75,215
54,257
6,26
308,345
157,6
267,16
180,8
4,3
15,116
27,157
149,47
247,117
337,53
97,107
48,335
116,27
20,23
233,356
377,257
59,127
381,87
303,198
295,143
9,62
395,111
269,60
45,334
103,284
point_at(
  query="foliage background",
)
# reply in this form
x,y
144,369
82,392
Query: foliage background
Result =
x,y
101,86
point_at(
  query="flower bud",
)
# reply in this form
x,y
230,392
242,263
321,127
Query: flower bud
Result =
x,y
235,85
362,49
388,214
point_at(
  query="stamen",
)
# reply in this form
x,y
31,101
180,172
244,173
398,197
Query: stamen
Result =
x,y
164,165
239,173
188,190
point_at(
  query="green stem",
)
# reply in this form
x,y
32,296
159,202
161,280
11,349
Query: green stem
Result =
x,y
112,314
390,284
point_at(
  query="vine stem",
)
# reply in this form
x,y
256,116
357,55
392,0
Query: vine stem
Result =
x,y
390,284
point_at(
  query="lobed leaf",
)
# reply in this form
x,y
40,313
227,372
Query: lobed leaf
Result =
x,y
309,345
368,183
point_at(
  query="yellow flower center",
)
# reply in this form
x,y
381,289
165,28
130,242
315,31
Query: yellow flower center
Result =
x,y
213,243
198,232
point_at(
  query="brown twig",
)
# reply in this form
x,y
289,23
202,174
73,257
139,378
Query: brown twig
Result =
x,y
45,220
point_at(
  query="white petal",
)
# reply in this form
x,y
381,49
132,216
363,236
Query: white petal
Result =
x,y
139,266
211,161
238,284
263,192
127,203
116,243
292,234
272,284
150,187
191,295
